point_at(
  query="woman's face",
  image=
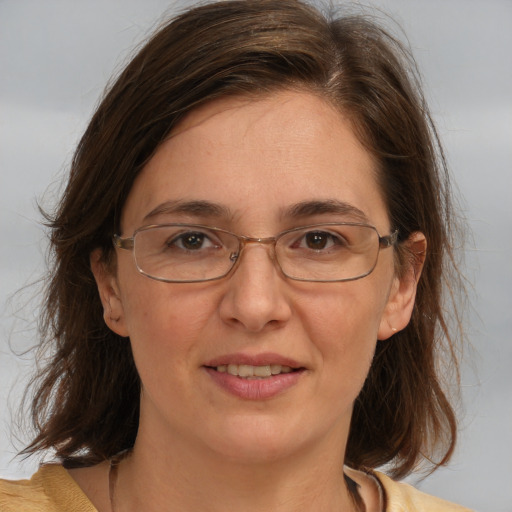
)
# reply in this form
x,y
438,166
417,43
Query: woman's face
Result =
x,y
258,168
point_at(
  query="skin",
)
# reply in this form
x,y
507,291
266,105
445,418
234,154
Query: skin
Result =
x,y
199,447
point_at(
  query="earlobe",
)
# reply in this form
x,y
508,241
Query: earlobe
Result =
x,y
108,289
401,299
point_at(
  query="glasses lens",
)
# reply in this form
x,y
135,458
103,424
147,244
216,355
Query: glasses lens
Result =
x,y
190,253
187,253
338,252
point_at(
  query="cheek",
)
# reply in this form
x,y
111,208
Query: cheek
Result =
x,y
348,315
165,323
343,327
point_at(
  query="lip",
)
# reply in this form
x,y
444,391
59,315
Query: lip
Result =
x,y
255,389
254,360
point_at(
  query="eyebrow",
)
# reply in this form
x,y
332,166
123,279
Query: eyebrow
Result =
x,y
197,208
303,209
325,207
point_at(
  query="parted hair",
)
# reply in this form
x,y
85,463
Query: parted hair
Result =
x,y
85,399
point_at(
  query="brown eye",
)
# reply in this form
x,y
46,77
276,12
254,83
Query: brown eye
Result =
x,y
191,241
317,240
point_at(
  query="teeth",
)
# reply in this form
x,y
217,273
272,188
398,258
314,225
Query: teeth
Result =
x,y
249,371
276,369
262,371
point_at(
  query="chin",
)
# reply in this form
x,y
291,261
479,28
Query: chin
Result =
x,y
260,440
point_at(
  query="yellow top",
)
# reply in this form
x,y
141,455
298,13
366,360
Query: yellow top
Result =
x,y
52,489
402,497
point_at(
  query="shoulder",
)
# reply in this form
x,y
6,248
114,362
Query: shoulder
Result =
x,y
51,489
401,497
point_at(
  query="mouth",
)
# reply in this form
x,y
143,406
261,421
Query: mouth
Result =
x,y
255,377
251,372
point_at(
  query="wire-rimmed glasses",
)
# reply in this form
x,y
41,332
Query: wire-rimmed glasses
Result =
x,y
188,253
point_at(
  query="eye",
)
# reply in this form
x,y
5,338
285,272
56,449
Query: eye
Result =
x,y
192,241
320,240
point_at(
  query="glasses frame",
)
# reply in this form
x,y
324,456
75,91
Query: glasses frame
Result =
x,y
128,244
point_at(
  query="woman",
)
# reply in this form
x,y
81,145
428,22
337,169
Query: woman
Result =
x,y
250,255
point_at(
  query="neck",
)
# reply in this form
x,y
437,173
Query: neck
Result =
x,y
180,480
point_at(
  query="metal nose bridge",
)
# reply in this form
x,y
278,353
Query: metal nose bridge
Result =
x,y
245,240
252,240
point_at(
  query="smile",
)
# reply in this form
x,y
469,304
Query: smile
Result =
x,y
254,378
248,371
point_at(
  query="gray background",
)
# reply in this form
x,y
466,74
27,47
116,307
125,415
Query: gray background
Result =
x,y
55,58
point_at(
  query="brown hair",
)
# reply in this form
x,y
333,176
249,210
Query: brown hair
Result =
x,y
86,404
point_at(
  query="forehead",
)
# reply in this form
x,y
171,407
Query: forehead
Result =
x,y
256,157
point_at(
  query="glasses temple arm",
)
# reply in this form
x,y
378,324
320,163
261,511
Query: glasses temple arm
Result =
x,y
122,243
389,240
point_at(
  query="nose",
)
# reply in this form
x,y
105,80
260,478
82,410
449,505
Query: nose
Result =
x,y
256,298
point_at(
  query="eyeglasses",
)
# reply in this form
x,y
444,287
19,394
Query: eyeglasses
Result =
x,y
188,253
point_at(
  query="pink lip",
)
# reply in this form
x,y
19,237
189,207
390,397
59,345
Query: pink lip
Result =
x,y
254,360
254,389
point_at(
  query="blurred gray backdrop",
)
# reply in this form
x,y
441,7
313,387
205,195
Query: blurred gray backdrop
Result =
x,y
55,58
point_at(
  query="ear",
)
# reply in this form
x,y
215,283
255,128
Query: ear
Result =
x,y
108,288
401,299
